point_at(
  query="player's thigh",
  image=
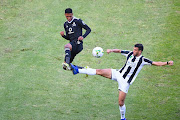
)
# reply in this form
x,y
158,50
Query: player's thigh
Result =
x,y
73,46
80,48
104,72
77,48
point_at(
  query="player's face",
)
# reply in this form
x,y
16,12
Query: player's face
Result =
x,y
69,16
136,51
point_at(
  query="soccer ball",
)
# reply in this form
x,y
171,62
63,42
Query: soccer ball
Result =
x,y
97,52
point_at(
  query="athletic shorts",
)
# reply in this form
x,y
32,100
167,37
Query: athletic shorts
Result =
x,y
122,83
76,48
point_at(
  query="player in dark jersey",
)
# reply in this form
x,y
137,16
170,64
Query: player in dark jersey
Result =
x,y
73,28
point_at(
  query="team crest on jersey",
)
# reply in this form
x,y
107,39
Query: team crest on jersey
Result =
x,y
74,24
66,26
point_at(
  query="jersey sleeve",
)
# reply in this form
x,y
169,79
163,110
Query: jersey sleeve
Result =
x,y
66,36
125,52
86,27
147,61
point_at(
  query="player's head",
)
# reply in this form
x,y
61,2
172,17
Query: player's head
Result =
x,y
69,14
138,48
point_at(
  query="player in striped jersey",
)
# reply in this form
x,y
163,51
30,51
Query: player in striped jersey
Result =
x,y
126,75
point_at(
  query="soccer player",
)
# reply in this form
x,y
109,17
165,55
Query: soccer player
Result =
x,y
73,27
126,75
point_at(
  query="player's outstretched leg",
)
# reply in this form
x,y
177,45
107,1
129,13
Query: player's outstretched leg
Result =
x,y
82,70
89,71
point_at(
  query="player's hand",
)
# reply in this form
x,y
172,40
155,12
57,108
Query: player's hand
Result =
x,y
108,51
62,33
80,38
170,63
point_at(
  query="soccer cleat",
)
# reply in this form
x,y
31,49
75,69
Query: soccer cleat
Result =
x,y
123,119
66,66
74,69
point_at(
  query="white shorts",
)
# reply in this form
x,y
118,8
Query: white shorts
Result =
x,y
122,83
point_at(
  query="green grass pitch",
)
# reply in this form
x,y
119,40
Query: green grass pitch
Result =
x,y
33,85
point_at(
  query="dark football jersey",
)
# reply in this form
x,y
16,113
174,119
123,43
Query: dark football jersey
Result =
x,y
74,29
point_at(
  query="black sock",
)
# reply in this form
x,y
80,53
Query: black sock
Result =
x,y
67,55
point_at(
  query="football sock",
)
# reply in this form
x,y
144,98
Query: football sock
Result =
x,y
67,55
122,111
88,71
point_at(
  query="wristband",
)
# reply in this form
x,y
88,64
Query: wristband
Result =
x,y
167,62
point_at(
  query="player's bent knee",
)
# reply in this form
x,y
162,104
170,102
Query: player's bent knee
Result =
x,y
121,103
68,46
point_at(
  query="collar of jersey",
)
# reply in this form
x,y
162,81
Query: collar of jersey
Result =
x,y
71,20
138,56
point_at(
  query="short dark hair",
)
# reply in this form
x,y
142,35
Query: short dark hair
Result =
x,y
68,10
140,46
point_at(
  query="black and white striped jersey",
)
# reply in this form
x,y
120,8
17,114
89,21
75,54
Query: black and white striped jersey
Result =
x,y
74,29
132,66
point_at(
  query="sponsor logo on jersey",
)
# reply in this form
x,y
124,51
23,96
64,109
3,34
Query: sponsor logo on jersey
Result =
x,y
70,31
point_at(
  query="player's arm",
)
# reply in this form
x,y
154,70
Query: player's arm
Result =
x,y
86,27
162,63
64,36
88,30
113,50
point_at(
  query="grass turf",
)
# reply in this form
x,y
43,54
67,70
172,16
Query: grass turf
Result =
x,y
34,86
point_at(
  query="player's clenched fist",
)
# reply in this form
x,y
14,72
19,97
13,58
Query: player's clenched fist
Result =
x,y
80,38
108,51
170,63
62,33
